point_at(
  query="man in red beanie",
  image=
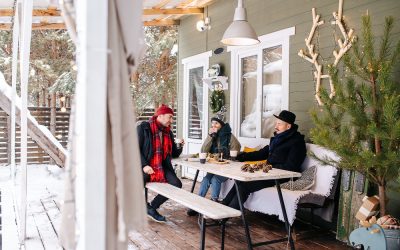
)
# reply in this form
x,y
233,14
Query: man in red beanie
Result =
x,y
157,148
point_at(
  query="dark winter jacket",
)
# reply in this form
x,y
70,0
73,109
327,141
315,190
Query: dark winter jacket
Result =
x,y
287,153
146,146
223,140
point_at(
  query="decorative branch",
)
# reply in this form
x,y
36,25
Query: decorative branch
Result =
x,y
348,36
312,57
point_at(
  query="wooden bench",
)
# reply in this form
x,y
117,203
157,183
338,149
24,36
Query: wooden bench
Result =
x,y
206,208
322,205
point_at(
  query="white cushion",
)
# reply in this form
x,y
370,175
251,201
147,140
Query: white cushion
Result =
x,y
324,180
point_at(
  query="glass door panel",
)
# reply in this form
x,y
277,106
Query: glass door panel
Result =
x,y
248,102
195,118
271,88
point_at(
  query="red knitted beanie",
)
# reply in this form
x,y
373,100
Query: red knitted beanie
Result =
x,y
164,109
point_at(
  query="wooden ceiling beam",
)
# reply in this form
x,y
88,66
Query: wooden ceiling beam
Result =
x,y
58,26
167,22
186,3
161,4
35,12
37,26
175,11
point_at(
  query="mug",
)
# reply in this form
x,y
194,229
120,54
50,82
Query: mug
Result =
x,y
178,143
203,157
233,154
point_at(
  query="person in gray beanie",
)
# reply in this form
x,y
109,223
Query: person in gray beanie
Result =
x,y
219,139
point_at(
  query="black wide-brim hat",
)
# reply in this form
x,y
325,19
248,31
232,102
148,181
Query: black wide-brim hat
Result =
x,y
286,116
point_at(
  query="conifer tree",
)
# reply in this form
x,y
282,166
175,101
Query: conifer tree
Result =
x,y
361,123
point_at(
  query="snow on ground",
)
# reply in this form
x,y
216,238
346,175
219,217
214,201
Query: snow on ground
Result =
x,y
41,179
44,183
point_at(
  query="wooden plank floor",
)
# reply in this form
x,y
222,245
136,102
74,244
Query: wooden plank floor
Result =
x,y
183,232
180,231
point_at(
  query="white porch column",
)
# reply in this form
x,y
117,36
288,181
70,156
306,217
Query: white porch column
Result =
x,y
15,49
91,123
26,28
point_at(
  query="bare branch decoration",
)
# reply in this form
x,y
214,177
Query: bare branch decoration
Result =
x,y
311,56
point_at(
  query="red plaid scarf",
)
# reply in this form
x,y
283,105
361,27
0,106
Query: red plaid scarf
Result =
x,y
160,151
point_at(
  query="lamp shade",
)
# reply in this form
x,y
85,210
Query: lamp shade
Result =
x,y
240,32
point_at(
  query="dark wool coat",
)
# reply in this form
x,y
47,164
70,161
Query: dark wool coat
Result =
x,y
146,146
287,153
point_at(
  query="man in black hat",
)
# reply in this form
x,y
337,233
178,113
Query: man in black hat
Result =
x,y
286,150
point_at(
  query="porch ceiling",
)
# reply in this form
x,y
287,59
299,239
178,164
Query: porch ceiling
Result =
x,y
47,14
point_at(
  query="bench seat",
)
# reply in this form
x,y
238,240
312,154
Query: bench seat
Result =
x,y
206,207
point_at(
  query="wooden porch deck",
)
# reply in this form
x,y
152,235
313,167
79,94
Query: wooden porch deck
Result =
x,y
180,232
183,232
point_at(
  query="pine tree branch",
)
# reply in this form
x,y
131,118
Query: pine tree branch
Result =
x,y
368,42
385,44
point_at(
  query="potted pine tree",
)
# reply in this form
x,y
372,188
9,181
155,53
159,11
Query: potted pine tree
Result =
x,y
361,123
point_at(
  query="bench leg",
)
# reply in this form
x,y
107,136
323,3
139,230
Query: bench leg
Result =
x,y
288,230
145,194
203,233
194,181
223,234
246,227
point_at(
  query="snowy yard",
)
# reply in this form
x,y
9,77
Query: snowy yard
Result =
x,y
45,192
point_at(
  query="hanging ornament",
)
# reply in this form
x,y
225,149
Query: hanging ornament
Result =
x,y
217,100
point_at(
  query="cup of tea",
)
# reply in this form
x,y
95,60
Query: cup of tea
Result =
x,y
178,143
203,157
233,154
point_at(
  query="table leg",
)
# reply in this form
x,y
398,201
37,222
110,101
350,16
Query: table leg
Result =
x,y
288,230
246,227
194,180
203,233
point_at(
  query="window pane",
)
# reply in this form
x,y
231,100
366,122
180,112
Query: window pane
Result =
x,y
271,88
195,103
248,115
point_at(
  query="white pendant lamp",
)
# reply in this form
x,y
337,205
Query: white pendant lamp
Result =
x,y
240,33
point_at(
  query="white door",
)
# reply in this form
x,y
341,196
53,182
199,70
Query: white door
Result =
x,y
195,100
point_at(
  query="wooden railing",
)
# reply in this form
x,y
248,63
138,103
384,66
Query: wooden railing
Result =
x,y
36,155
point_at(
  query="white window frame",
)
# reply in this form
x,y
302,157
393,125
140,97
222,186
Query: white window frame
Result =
x,y
280,37
199,60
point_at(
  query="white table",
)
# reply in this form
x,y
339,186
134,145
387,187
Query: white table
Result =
x,y
233,171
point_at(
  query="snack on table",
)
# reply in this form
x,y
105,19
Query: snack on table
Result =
x,y
264,166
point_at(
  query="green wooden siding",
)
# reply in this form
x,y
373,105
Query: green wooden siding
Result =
x,y
267,16
272,15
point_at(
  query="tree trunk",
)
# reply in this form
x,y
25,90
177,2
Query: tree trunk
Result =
x,y
382,200
53,117
375,114
38,99
43,97
67,102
